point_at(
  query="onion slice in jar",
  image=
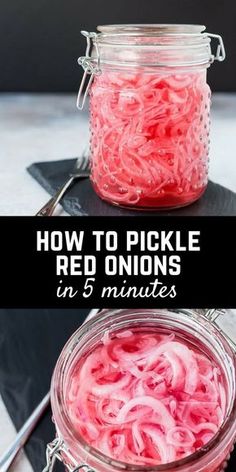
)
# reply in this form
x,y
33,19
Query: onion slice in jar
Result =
x,y
146,398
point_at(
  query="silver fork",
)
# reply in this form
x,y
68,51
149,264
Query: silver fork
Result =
x,y
80,171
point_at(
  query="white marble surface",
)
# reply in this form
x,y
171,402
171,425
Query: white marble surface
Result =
x,y
7,435
44,127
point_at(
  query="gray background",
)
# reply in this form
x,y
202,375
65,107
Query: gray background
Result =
x,y
40,39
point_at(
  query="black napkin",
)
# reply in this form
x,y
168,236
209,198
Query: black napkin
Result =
x,y
30,342
82,200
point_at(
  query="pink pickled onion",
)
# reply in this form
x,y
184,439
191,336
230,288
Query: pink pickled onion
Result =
x,y
150,137
146,398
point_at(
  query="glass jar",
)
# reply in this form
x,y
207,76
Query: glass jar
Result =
x,y
192,326
149,113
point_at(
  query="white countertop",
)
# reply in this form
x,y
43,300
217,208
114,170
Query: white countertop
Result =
x,y
45,127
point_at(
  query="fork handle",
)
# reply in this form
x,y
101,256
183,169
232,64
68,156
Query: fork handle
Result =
x,y
49,207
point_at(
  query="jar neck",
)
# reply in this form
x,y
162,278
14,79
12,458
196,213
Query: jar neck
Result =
x,y
153,45
143,49
188,324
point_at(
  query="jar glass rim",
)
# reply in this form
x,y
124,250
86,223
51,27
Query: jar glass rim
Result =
x,y
59,402
151,29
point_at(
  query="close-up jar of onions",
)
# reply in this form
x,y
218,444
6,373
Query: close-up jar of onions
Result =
x,y
145,391
149,112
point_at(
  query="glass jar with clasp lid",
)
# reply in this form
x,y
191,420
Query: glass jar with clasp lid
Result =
x,y
182,334
149,112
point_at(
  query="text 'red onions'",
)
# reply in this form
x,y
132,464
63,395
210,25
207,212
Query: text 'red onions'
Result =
x,y
149,137
146,398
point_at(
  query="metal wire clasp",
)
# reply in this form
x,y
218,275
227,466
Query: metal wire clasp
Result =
x,y
220,51
53,453
91,67
212,315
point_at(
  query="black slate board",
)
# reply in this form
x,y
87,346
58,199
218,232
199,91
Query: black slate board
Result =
x,y
30,342
81,200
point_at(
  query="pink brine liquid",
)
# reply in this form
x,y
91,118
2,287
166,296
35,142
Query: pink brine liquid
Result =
x,y
150,138
146,398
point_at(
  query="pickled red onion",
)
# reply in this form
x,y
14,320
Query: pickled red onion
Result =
x,y
149,137
146,398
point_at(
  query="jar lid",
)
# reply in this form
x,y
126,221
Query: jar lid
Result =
x,y
154,36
